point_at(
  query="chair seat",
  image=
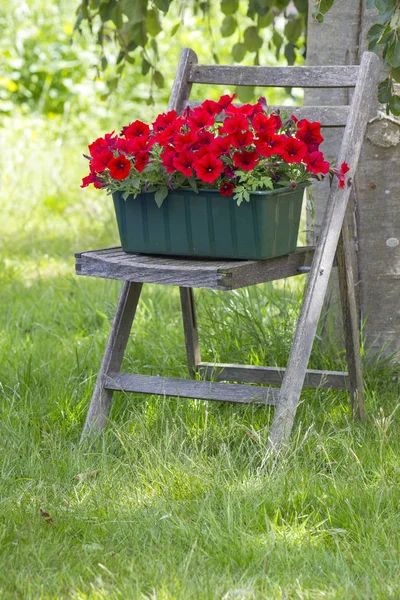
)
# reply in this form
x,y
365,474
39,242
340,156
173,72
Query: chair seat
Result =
x,y
114,263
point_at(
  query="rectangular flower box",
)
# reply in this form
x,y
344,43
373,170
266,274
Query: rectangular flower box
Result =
x,y
206,224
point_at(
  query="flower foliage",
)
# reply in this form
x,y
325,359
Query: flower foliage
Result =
x,y
249,149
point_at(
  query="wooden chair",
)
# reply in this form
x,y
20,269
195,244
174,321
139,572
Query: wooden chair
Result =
x,y
134,270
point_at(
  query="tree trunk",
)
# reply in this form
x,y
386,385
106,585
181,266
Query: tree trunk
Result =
x,y
372,218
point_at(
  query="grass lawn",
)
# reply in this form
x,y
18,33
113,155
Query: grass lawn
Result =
x,y
173,501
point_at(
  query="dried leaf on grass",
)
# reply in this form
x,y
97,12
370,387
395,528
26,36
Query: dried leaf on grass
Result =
x,y
46,516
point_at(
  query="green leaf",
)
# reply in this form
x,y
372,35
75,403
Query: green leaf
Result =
x,y
163,5
153,22
396,74
277,40
229,7
395,62
175,29
290,54
126,194
301,5
135,11
373,36
293,29
325,5
265,20
245,93
228,26
145,66
384,5
238,52
160,196
252,39
394,105
384,91
158,79
193,184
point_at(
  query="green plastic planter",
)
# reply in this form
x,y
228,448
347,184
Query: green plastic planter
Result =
x,y
210,225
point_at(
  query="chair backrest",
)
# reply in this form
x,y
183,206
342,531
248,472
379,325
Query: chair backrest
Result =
x,y
190,72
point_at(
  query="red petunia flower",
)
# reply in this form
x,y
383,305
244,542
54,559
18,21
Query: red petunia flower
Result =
x,y
136,129
167,159
184,162
310,134
268,144
99,162
344,168
211,107
108,142
220,145
185,141
241,139
119,167
208,168
234,124
205,138
141,160
164,120
225,101
92,178
203,151
247,110
164,136
200,118
294,151
316,164
226,188
245,160
262,123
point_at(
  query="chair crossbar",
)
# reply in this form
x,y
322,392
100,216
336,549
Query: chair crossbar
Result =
x,y
302,77
189,388
328,116
336,380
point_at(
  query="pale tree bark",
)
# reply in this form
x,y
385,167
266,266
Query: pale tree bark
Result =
x,y
374,216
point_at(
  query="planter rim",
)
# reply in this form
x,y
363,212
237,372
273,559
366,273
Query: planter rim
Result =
x,y
289,188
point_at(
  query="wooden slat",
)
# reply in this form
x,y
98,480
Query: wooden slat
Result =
x,y
190,329
186,388
212,274
305,77
181,87
328,116
337,380
324,255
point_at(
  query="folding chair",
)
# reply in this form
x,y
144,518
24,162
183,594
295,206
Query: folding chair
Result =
x,y
226,275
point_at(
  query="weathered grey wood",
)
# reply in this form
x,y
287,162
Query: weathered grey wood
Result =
x,y
212,274
187,388
337,380
350,325
323,257
113,355
328,116
190,329
305,77
181,87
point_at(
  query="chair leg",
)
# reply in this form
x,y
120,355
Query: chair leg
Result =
x,y
350,325
190,329
113,355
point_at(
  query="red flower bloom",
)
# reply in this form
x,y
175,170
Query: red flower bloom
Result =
x,y
203,151
167,159
262,123
234,124
293,151
241,139
91,178
141,160
226,188
185,141
106,143
245,160
310,134
211,107
225,101
184,162
208,168
136,129
269,144
220,145
119,167
316,164
247,110
200,118
164,120
344,168
99,162
205,138
164,136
